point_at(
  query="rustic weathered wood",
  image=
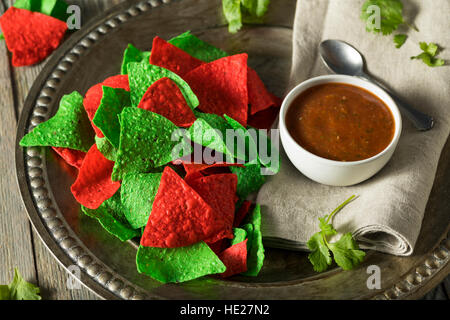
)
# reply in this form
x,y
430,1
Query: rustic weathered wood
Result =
x,y
19,245
15,233
52,277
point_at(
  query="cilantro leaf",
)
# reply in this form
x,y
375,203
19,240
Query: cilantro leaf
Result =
x,y
327,228
249,11
428,56
255,8
232,13
346,252
19,289
399,40
429,60
4,292
2,37
391,15
320,256
431,49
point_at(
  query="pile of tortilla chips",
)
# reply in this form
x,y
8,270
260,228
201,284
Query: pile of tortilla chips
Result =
x,y
33,29
132,138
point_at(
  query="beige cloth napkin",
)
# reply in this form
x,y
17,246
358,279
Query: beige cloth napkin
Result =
x,y
388,214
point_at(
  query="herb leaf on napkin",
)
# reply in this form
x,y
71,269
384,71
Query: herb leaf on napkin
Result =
x,y
399,40
428,56
345,251
391,12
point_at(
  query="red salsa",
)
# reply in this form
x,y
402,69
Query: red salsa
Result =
x,y
340,122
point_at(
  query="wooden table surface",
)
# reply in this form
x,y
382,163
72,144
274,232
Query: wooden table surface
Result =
x,y
20,245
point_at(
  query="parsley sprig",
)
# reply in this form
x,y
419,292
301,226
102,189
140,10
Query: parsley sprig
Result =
x,y
428,56
19,289
400,40
238,11
345,251
391,17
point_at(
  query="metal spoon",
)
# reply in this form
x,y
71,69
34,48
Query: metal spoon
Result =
x,y
342,58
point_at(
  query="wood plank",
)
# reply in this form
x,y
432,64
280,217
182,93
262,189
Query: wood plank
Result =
x,y
15,233
44,269
52,277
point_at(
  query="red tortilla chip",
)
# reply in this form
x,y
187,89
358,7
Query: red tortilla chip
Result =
x,y
259,97
235,259
219,192
165,98
31,36
264,119
73,157
193,176
221,87
94,96
242,213
94,185
172,58
119,81
180,217
278,101
219,246
196,170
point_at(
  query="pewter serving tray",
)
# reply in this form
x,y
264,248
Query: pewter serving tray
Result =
x,y
108,265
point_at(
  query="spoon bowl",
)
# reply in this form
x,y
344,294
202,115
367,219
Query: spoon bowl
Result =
x,y
341,57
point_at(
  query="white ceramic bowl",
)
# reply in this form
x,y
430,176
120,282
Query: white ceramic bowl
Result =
x,y
330,172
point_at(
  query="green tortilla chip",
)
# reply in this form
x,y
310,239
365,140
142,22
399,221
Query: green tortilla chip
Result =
x,y
197,48
239,236
215,121
146,143
68,128
248,228
106,118
274,167
255,142
111,216
138,192
250,179
55,8
209,130
133,54
255,248
143,75
247,141
31,5
106,148
178,264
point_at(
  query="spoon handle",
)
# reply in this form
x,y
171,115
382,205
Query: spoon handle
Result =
x,y
421,121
